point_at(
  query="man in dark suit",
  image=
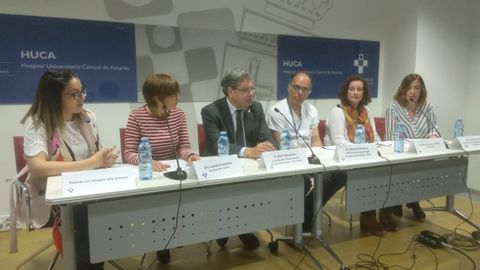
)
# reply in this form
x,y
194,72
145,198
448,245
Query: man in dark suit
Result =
x,y
222,115
244,121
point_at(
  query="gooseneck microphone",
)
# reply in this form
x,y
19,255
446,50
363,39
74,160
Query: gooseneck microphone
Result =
x,y
313,159
431,124
178,174
429,121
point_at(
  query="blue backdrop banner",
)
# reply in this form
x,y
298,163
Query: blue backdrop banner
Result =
x,y
329,62
101,53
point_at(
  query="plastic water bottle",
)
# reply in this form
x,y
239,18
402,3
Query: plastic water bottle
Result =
x,y
399,138
145,156
458,129
223,144
359,134
284,140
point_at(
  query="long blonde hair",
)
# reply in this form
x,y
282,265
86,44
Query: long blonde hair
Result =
x,y
46,107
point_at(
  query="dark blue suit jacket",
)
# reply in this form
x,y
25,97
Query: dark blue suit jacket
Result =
x,y
216,117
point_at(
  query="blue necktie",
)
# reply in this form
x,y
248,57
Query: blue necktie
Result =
x,y
239,138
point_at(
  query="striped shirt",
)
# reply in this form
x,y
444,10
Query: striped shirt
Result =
x,y
142,124
421,126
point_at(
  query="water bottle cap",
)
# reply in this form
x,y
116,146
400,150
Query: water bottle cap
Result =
x,y
143,139
223,132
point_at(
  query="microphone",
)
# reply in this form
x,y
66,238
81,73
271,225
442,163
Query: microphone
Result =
x,y
430,123
434,127
313,159
178,174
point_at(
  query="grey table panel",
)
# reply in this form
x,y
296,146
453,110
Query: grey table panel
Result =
x,y
124,227
367,188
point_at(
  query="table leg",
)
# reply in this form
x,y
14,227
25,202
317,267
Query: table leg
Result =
x,y
317,221
68,237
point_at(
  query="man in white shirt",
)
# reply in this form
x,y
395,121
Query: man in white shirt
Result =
x,y
304,119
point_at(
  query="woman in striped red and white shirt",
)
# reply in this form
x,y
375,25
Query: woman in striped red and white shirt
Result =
x,y
161,93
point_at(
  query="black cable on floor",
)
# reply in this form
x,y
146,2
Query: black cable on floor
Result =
x,y
175,227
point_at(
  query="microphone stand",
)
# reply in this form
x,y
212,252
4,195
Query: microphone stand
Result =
x,y
178,174
431,124
313,159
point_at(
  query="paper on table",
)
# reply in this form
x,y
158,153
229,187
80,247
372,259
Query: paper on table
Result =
x,y
173,165
90,182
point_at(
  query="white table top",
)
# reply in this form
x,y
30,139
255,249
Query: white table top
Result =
x,y
326,154
159,183
251,172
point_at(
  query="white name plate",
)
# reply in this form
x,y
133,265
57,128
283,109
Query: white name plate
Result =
x,y
355,152
427,146
212,168
273,160
98,181
467,143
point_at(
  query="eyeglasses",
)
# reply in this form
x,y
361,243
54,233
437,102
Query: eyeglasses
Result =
x,y
301,90
246,91
78,94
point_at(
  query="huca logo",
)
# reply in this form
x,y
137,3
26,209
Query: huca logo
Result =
x,y
292,63
37,55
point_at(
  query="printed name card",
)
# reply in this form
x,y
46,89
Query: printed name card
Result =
x,y
99,181
212,168
355,152
427,146
467,143
284,158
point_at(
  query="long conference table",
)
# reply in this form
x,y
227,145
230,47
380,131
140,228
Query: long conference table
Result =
x,y
142,219
397,178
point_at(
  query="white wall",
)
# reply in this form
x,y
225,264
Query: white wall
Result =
x,y
442,58
409,34
447,56
471,110
401,51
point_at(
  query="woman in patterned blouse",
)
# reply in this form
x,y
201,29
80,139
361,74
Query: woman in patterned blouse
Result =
x,y
411,108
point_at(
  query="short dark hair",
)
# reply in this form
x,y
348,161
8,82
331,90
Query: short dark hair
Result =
x,y
342,94
298,72
232,77
159,86
401,95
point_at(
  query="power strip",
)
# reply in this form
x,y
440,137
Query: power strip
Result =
x,y
431,239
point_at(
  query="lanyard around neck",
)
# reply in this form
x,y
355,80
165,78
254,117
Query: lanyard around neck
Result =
x,y
297,130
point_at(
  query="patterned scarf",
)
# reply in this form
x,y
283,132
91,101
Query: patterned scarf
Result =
x,y
353,118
